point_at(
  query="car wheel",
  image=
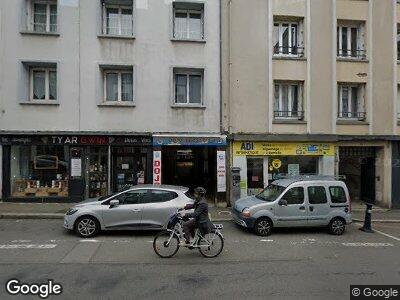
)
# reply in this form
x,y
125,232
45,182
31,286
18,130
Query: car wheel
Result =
x,y
337,226
263,226
87,227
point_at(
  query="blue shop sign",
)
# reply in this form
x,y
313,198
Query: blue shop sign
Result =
x,y
189,141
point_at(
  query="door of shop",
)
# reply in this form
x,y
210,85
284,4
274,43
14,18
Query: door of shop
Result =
x,y
77,176
357,165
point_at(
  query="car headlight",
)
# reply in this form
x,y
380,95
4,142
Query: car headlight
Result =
x,y
246,212
71,211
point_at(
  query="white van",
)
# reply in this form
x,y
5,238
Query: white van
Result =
x,y
315,201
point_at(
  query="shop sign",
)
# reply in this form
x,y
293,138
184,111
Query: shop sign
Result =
x,y
276,163
279,149
75,140
221,172
189,141
156,167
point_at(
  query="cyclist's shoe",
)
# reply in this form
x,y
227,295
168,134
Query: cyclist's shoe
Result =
x,y
184,244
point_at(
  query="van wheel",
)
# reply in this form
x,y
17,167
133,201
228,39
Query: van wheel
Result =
x,y
263,226
337,226
87,227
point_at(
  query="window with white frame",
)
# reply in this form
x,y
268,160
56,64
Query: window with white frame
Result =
x,y
188,21
351,101
288,38
288,100
43,83
398,102
350,41
43,16
118,85
118,17
398,42
188,87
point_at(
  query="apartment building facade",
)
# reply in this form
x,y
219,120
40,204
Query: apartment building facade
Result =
x,y
311,87
95,95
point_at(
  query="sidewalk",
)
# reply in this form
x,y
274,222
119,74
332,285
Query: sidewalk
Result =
x,y
57,211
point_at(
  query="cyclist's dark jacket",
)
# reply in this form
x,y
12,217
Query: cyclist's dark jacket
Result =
x,y
200,214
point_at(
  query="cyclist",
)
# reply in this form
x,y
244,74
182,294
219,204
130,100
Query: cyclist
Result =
x,y
199,218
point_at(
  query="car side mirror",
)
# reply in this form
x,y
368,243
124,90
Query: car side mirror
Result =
x,y
114,203
282,202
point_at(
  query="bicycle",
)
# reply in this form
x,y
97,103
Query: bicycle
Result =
x,y
167,242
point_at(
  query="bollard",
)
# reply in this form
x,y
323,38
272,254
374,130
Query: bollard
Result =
x,y
368,219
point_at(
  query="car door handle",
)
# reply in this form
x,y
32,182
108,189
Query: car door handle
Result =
x,y
302,208
136,210
311,208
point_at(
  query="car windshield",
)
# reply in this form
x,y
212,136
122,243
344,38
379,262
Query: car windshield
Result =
x,y
271,192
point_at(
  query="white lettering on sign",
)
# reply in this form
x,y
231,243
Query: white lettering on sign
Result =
x,y
221,172
157,167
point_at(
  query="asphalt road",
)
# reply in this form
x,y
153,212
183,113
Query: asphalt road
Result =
x,y
300,263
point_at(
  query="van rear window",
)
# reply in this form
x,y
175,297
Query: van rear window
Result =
x,y
338,195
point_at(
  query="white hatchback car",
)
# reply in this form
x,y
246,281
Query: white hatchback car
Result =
x,y
302,201
142,207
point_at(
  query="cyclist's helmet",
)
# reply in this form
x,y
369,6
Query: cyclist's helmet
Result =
x,y
200,191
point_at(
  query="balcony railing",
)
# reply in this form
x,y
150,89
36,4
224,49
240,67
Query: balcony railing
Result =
x,y
289,114
353,53
360,116
288,51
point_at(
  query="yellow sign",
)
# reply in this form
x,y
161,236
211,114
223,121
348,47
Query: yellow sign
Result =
x,y
279,149
276,163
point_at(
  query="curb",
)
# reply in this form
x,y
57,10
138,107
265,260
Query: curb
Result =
x,y
31,216
377,221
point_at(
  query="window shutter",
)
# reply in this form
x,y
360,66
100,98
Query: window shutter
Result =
x,y
361,37
300,104
360,98
300,40
104,19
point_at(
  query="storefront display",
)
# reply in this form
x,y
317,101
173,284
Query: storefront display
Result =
x,y
39,171
98,171
263,162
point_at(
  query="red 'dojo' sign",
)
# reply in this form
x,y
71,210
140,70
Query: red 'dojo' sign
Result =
x,y
156,167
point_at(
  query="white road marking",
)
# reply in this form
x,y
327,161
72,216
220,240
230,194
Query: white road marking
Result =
x,y
388,235
28,246
382,233
367,244
266,240
122,241
89,241
21,241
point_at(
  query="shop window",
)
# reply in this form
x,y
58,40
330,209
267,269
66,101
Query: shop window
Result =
x,y
317,195
188,86
294,196
351,101
288,100
398,102
118,17
98,171
286,166
338,195
43,84
188,21
39,171
288,38
350,41
118,85
398,42
42,15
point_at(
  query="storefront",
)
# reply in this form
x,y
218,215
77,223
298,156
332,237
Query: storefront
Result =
x,y
70,168
262,162
191,161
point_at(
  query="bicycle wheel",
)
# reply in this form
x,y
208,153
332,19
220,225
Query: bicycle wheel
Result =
x,y
166,244
211,244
